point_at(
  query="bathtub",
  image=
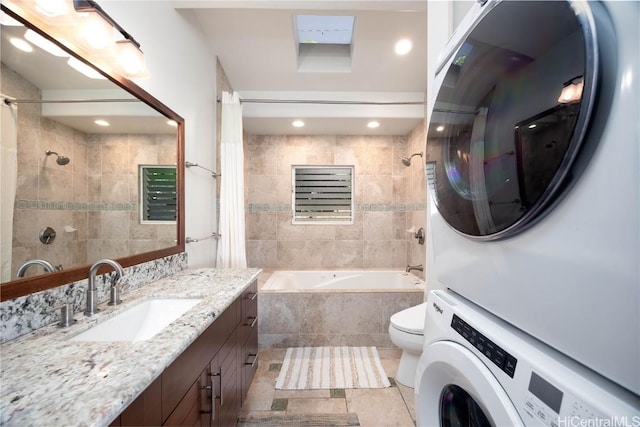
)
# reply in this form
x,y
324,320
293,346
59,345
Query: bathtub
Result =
x,y
353,280
335,307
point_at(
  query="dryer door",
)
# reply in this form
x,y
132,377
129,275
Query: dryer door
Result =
x,y
511,113
457,389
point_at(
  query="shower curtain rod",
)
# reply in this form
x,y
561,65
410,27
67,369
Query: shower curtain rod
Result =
x,y
322,101
10,101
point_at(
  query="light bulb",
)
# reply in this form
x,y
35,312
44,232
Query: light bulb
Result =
x,y
373,124
298,123
130,57
96,31
53,8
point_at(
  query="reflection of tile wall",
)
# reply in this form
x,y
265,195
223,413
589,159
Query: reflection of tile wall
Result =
x,y
416,196
95,193
384,195
113,178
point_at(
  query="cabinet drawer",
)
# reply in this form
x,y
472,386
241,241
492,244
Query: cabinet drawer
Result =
x,y
249,361
190,410
249,299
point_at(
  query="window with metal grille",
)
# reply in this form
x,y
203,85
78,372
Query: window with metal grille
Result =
x,y
322,194
157,194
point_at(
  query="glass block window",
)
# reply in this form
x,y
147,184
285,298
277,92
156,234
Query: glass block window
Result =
x,y
322,194
157,194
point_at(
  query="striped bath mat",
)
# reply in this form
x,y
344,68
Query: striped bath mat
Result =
x,y
308,368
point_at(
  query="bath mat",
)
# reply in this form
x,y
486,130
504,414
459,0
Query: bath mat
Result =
x,y
312,368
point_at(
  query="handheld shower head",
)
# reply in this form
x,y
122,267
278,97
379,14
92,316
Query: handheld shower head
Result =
x,y
407,160
61,160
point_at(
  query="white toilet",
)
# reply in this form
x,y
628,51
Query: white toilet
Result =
x,y
406,330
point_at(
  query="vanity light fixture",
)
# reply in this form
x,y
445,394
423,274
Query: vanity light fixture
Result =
x,y
21,44
101,122
85,26
373,124
172,123
403,46
297,123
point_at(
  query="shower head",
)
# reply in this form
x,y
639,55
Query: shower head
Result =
x,y
61,160
407,160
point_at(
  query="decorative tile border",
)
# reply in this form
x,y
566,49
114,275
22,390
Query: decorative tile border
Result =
x,y
393,207
74,206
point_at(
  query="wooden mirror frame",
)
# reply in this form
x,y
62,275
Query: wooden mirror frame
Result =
x,y
29,285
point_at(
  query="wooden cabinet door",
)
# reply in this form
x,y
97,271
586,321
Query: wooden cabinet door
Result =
x,y
192,409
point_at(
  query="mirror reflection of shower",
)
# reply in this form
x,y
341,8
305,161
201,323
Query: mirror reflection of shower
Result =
x,y
61,160
407,160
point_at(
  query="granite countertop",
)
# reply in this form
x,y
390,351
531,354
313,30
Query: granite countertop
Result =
x,y
48,380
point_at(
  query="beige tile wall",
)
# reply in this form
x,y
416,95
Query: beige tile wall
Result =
x,y
389,199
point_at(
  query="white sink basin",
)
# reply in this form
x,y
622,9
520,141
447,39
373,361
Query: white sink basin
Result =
x,y
140,322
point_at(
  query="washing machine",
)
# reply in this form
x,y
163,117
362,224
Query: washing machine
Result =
x,y
532,161
477,370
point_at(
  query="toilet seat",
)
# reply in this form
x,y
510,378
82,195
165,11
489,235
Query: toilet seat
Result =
x,y
410,320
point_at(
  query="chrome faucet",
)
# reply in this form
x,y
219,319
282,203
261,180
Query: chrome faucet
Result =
x,y
45,264
414,267
91,291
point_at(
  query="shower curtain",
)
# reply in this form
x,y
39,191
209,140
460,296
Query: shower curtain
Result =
x,y
231,245
8,182
479,195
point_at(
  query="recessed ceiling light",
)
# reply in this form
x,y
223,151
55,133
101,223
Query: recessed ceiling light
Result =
x,y
373,124
101,122
298,123
403,46
440,128
21,44
172,123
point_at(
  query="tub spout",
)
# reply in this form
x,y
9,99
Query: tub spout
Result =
x,y
414,267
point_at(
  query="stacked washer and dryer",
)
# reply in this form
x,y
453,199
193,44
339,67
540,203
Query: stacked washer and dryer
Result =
x,y
533,164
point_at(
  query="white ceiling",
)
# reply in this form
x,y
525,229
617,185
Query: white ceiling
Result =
x,y
256,45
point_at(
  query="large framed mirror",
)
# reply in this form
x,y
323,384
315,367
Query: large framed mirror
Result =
x,y
81,188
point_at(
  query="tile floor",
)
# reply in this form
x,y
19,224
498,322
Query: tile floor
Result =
x,y
392,406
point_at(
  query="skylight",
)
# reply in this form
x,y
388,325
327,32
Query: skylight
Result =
x,y
324,29
324,43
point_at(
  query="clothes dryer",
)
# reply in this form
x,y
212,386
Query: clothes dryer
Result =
x,y
477,370
533,160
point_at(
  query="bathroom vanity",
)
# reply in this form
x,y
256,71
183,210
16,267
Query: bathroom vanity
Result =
x,y
195,371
